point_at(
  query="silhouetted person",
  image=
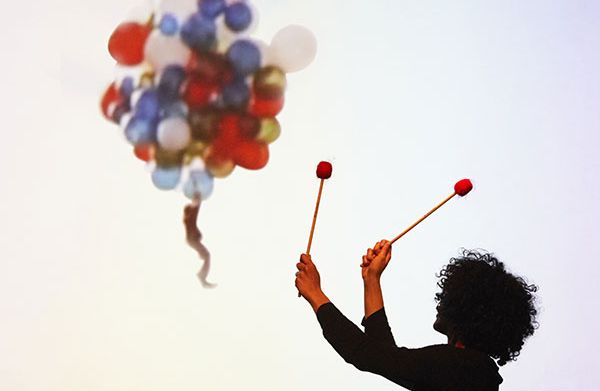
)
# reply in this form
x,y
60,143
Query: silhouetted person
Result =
x,y
486,313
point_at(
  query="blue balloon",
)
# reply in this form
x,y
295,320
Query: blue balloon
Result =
x,y
170,83
174,109
127,87
166,178
140,130
212,8
199,32
238,16
199,184
148,105
168,24
236,94
244,56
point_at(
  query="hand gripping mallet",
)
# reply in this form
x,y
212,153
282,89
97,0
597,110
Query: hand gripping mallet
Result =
x,y
461,188
324,170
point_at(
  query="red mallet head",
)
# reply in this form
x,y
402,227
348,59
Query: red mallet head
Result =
x,y
463,187
324,170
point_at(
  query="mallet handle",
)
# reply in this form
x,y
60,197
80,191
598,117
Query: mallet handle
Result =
x,y
423,218
314,222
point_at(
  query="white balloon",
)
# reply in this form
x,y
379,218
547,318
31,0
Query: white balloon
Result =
x,y
135,96
124,120
181,9
173,134
163,50
293,48
197,164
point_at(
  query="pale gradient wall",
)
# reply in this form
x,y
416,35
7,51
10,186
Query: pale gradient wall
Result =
x,y
98,289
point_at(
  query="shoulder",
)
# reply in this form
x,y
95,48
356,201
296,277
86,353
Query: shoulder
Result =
x,y
463,368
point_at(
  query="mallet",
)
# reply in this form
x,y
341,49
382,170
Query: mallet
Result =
x,y
461,188
324,170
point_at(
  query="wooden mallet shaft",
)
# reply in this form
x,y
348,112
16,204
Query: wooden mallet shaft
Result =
x,y
324,170
423,218
461,188
314,222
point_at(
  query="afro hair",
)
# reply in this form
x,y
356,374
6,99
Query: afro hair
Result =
x,y
486,307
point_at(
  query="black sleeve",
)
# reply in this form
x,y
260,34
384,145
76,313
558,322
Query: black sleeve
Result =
x,y
400,365
378,328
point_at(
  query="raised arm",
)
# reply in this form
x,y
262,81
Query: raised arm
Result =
x,y
308,282
375,320
372,351
400,365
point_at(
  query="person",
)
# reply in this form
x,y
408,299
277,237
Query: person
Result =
x,y
485,312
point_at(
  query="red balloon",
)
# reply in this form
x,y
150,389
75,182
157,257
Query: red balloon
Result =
x,y
211,67
463,187
324,170
127,42
229,129
110,99
251,155
232,143
198,92
144,152
249,126
266,107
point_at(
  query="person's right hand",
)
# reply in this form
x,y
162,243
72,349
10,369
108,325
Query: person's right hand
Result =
x,y
376,259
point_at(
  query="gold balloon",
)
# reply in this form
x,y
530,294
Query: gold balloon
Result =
x,y
147,80
166,158
218,167
269,130
269,82
196,149
221,170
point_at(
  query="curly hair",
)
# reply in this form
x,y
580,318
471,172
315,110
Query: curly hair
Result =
x,y
486,307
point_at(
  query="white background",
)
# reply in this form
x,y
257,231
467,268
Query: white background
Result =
x,y
98,289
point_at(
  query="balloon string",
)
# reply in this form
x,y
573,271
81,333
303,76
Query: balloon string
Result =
x,y
194,240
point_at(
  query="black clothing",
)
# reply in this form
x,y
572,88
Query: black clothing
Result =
x,y
437,367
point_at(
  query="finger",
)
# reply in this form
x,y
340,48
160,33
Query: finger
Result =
x,y
370,253
387,247
365,261
304,258
300,266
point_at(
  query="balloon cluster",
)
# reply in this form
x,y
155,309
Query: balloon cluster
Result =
x,y
196,95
